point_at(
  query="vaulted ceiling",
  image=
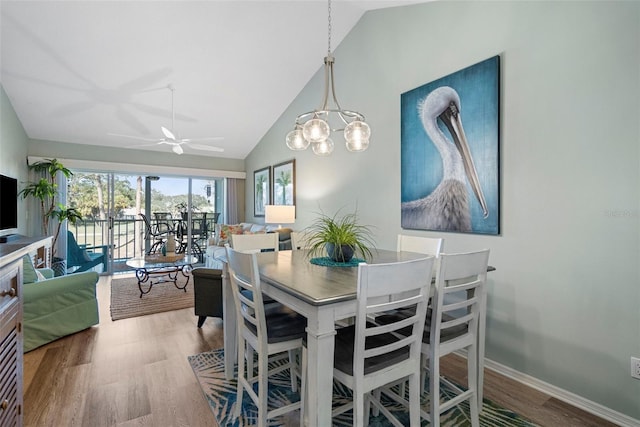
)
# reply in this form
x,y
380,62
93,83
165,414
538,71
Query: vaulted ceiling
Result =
x,y
88,72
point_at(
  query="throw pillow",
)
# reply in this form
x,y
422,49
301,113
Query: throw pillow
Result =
x,y
223,231
40,276
28,270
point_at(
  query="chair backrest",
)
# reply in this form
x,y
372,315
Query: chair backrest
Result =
x,y
255,242
75,254
147,227
247,294
164,222
385,287
457,299
420,244
299,240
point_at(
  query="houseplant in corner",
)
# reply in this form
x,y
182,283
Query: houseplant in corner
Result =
x,y
46,191
340,236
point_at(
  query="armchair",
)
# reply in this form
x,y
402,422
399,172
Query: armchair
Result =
x,y
54,307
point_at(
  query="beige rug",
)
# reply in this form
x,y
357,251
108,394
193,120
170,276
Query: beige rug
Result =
x,y
126,301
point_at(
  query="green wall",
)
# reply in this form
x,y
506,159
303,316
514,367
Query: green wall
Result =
x,y
564,303
13,153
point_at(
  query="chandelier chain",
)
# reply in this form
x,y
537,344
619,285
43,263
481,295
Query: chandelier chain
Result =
x,y
329,28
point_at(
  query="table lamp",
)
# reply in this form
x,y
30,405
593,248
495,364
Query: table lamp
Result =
x,y
280,214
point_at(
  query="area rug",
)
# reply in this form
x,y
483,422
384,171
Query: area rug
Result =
x,y
126,301
221,396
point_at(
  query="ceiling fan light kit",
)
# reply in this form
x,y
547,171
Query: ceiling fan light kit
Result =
x,y
313,128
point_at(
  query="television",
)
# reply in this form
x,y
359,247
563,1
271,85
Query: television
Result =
x,y
8,203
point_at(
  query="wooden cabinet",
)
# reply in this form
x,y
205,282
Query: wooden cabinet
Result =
x,y
11,347
11,344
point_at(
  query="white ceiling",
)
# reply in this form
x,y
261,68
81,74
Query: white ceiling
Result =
x,y
76,71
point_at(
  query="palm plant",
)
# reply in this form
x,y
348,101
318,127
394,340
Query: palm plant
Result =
x,y
46,191
341,237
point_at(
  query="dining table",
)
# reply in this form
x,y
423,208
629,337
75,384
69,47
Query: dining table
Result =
x,y
324,295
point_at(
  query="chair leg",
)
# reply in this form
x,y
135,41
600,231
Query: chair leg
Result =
x,y
358,409
434,389
292,370
263,390
414,399
240,392
472,373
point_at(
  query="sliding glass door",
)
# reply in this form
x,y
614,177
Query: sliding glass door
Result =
x,y
111,206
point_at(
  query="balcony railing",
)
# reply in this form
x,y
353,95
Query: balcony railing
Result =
x,y
128,234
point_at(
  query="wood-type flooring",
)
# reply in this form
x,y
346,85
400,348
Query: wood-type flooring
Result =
x,y
134,372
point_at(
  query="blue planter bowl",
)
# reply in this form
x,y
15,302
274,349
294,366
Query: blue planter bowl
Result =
x,y
342,253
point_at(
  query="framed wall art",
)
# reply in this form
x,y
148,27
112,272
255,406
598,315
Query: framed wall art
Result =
x,y
450,152
261,190
284,183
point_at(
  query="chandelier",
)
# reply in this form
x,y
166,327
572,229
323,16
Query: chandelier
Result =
x,y
313,127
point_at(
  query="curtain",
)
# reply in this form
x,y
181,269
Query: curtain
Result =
x,y
232,201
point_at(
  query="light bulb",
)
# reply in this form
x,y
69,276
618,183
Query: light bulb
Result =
x,y
322,148
316,130
296,141
357,135
177,149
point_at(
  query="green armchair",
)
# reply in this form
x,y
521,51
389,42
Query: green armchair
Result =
x,y
55,307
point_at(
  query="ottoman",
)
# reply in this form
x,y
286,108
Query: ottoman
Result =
x,y
207,287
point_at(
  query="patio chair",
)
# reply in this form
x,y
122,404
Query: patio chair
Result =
x,y
152,233
82,257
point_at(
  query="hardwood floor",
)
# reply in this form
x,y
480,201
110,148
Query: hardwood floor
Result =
x,y
134,372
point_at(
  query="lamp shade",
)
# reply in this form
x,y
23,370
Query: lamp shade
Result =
x,y
280,214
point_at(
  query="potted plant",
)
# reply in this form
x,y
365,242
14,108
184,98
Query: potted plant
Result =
x,y
46,191
341,237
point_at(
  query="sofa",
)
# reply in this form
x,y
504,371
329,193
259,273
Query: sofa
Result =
x,y
54,307
223,232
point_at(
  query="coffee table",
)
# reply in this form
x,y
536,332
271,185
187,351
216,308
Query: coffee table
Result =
x,y
166,268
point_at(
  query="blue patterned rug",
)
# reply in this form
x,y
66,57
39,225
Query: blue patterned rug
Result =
x,y
221,395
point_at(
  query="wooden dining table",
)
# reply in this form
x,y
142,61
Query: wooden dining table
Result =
x,y
324,295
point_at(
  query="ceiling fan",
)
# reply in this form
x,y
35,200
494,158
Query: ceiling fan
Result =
x,y
171,139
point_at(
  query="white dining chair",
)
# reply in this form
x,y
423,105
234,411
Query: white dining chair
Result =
x,y
420,244
268,332
299,240
453,325
368,356
255,242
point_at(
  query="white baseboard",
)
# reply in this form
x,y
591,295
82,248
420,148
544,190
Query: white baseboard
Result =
x,y
563,395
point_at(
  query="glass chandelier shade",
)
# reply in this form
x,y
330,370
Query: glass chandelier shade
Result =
x,y
316,130
357,134
296,141
322,148
314,127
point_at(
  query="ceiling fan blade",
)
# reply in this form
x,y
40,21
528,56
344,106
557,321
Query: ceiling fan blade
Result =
x,y
168,133
213,138
141,145
205,147
156,140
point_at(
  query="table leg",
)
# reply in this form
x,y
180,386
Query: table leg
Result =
x,y
320,344
143,276
229,325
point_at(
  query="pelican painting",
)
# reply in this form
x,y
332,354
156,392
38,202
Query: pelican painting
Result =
x,y
448,195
